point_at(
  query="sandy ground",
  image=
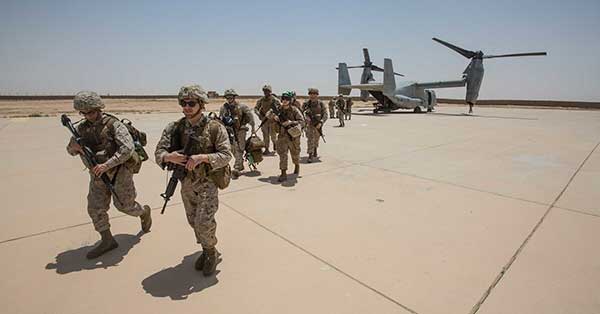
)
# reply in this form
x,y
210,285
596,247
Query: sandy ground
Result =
x,y
405,213
37,108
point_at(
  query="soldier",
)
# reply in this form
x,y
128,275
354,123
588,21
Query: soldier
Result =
x,y
269,129
348,110
237,116
295,101
340,105
211,152
331,106
113,147
315,115
289,117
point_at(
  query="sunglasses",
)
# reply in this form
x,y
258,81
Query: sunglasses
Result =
x,y
190,104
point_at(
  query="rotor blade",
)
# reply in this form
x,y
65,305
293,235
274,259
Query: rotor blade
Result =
x,y
378,69
516,55
366,55
465,53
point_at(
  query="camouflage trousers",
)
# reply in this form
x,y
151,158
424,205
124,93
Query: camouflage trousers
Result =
x,y
341,116
284,143
349,113
332,111
238,149
312,135
99,198
201,202
269,131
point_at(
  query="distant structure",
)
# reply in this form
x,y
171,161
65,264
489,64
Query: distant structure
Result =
x,y
212,94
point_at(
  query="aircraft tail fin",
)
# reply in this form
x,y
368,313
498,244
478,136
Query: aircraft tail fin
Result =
x,y
343,79
389,82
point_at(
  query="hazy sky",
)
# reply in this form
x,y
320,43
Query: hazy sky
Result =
x,y
152,47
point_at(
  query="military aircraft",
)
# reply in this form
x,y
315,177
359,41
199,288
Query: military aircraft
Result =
x,y
367,74
419,96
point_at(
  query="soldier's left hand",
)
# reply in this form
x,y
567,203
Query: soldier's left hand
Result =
x,y
195,160
98,170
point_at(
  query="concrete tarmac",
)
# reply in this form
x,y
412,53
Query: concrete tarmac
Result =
x,y
498,212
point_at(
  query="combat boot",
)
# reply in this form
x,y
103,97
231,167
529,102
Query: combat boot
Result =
x,y
108,243
267,152
310,158
283,176
235,174
297,169
200,261
315,155
210,261
146,219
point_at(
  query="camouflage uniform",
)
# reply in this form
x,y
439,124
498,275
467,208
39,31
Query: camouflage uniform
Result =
x,y
331,106
297,104
112,144
340,105
284,141
315,113
241,115
198,192
348,110
269,129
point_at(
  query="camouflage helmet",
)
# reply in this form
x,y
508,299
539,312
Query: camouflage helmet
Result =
x,y
313,90
192,91
267,87
230,92
287,95
87,100
293,94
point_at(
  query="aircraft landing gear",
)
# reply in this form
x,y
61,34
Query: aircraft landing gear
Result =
x,y
429,109
417,109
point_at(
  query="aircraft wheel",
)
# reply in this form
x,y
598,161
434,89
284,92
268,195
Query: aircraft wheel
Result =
x,y
429,109
417,109
375,110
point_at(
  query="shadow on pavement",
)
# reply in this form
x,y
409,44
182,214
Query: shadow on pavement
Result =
x,y
75,260
291,181
304,160
180,281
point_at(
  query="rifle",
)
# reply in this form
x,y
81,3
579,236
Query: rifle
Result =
x,y
88,154
319,130
179,171
279,114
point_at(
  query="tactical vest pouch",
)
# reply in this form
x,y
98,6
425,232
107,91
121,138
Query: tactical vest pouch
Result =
x,y
295,131
139,140
134,163
254,146
254,143
221,176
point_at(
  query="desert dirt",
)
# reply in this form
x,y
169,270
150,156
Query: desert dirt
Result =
x,y
49,108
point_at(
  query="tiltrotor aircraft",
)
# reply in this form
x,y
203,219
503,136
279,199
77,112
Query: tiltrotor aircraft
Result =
x,y
417,96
